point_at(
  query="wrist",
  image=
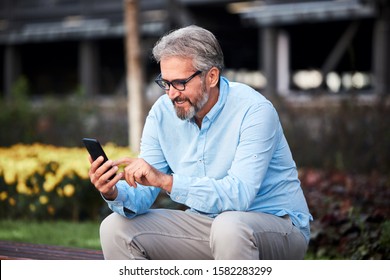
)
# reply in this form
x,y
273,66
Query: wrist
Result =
x,y
111,194
167,182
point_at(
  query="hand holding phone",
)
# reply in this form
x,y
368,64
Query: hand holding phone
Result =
x,y
95,150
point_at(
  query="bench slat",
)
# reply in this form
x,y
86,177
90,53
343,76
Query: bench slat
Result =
x,y
20,250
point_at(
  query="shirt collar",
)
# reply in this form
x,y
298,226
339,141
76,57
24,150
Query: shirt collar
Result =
x,y
223,92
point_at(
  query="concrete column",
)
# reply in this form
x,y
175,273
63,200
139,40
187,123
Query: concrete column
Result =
x,y
381,56
283,63
268,54
12,68
89,67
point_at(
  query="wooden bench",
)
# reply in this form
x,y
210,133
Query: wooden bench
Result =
x,y
10,250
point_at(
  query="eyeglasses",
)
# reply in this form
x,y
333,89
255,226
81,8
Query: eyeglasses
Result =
x,y
177,84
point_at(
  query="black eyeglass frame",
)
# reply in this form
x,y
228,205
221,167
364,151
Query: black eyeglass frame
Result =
x,y
182,83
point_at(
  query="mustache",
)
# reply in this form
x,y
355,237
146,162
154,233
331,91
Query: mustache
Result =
x,y
181,99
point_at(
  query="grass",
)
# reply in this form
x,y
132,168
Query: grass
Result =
x,y
63,233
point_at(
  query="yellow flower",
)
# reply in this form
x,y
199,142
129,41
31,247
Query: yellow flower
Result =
x,y
3,196
60,192
22,188
50,182
9,177
43,199
69,190
51,210
35,185
24,166
12,201
32,207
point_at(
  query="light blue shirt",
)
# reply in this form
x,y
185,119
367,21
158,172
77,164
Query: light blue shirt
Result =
x,y
239,160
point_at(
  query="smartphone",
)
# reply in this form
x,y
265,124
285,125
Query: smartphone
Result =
x,y
95,150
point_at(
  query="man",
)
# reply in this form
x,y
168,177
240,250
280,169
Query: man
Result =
x,y
216,147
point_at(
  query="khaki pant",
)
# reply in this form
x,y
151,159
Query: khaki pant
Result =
x,y
174,234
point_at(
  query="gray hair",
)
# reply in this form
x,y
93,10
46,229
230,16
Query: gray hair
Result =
x,y
192,42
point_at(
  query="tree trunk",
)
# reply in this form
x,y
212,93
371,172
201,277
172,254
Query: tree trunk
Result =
x,y
134,76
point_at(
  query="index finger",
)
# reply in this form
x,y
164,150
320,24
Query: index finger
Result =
x,y
123,161
95,164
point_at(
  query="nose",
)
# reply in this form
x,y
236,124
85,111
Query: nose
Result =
x,y
173,93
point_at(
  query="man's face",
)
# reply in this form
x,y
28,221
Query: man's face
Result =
x,y
189,102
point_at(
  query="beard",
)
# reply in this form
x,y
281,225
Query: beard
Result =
x,y
196,105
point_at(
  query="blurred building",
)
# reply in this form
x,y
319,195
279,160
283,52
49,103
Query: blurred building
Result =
x,y
68,46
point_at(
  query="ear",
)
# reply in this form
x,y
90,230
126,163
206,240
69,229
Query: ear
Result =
x,y
213,77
